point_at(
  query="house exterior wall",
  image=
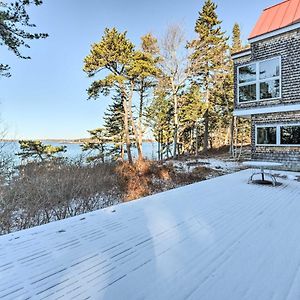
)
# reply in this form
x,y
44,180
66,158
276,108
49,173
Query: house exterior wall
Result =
x,y
287,154
286,46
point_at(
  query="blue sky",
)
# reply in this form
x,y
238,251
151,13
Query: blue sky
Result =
x,y
46,96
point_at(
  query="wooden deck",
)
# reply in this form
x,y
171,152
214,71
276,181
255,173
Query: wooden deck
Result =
x,y
218,239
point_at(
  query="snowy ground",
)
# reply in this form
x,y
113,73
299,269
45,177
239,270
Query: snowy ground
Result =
x,y
225,166
214,240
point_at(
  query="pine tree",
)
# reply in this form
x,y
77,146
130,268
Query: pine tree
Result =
x,y
190,111
160,117
150,45
209,54
146,81
115,127
14,19
236,39
123,68
113,55
96,145
142,74
36,150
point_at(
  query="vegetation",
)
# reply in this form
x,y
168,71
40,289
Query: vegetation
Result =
x,y
96,143
14,25
36,150
181,91
42,192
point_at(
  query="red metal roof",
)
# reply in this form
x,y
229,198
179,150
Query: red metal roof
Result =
x,y
276,17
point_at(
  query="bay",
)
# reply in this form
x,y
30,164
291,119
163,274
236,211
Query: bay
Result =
x,y
74,150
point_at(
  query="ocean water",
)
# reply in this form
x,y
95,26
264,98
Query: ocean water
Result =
x,y
74,150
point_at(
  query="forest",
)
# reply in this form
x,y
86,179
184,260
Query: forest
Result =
x,y
181,92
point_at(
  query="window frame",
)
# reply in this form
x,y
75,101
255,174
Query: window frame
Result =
x,y
278,134
258,81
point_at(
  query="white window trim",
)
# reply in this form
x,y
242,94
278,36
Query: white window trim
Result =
x,y
257,81
278,131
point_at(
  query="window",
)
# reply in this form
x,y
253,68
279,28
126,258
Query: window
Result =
x,y
278,135
290,135
247,73
266,135
248,92
259,81
269,89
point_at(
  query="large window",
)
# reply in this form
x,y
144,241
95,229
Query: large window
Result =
x,y
259,80
278,135
266,135
290,135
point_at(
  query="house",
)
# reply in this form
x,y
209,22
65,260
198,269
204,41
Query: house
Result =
x,y
267,84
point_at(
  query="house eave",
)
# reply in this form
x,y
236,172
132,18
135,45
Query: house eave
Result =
x,y
274,33
241,54
247,112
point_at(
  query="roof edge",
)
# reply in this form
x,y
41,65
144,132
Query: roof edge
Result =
x,y
279,31
242,53
280,3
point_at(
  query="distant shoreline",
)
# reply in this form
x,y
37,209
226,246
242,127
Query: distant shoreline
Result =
x,y
48,140
62,141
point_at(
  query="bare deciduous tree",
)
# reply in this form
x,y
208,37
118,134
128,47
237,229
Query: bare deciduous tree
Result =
x,y
175,68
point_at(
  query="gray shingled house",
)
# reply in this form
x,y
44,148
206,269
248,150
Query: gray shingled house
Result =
x,y
267,84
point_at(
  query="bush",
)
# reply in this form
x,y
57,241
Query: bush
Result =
x,y
44,192
39,193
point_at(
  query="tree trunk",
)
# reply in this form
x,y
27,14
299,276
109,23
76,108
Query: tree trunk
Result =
x,y
122,149
140,123
136,135
175,141
197,141
206,120
231,148
158,145
236,139
206,131
126,127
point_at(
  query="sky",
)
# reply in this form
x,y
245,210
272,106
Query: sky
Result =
x,y
46,96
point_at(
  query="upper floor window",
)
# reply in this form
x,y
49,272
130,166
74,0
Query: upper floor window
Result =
x,y
259,80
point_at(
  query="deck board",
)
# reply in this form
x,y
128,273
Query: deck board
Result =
x,y
218,239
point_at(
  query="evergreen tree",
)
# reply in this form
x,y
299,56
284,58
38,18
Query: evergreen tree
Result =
x,y
142,74
115,128
160,117
146,79
113,55
150,45
36,150
209,55
190,111
236,39
123,68
96,145
14,20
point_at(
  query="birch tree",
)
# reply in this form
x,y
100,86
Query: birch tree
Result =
x,y
175,71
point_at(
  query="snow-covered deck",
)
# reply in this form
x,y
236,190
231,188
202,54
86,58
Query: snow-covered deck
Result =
x,y
218,239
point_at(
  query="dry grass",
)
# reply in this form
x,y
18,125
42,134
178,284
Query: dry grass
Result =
x,y
41,193
147,177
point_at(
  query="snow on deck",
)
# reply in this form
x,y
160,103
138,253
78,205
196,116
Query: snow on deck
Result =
x,y
218,239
